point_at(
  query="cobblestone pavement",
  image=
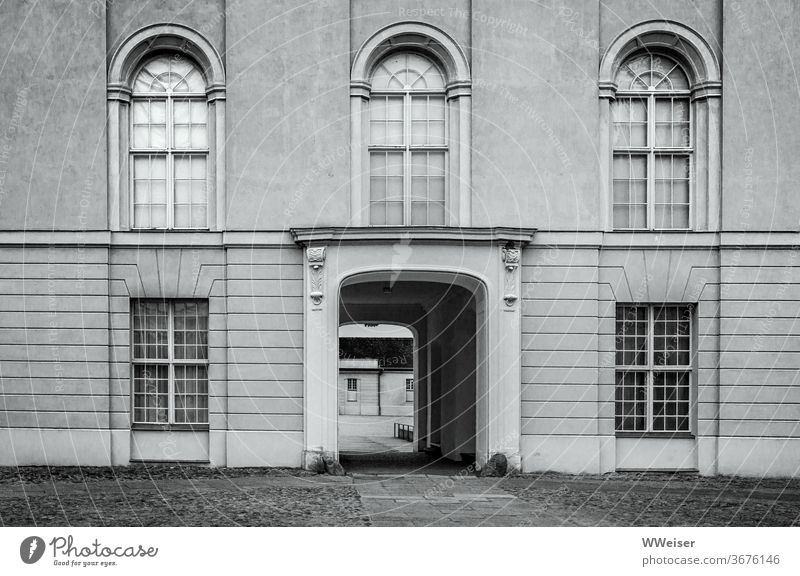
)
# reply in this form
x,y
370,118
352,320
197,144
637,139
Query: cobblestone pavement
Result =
x,y
190,496
180,496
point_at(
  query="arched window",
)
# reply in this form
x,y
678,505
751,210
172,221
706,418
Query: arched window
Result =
x,y
660,93
166,132
652,144
411,114
169,144
407,142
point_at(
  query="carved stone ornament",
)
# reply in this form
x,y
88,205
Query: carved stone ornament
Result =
x,y
511,259
316,261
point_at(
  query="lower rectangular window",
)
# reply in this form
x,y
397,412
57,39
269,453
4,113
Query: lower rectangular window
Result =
x,y
653,368
170,362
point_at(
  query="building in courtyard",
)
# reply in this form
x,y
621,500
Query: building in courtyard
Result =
x,y
585,212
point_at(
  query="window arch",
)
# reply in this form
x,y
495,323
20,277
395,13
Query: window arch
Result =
x,y
166,100
660,111
407,141
410,138
652,144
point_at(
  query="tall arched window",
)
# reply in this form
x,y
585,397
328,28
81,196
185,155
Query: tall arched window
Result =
x,y
166,132
407,142
410,137
169,144
660,110
652,139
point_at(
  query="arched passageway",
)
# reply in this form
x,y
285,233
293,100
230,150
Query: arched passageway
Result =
x,y
445,312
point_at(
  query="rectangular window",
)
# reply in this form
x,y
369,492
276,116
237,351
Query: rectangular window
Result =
x,y
652,162
170,361
407,158
653,368
352,389
169,162
409,389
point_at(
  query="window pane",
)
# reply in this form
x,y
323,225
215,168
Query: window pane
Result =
x,y
189,124
670,401
190,339
671,191
631,336
386,121
630,191
651,72
377,213
386,188
630,122
169,72
150,322
394,213
671,327
672,122
630,404
148,123
190,192
151,393
427,188
407,70
191,394
149,191
427,120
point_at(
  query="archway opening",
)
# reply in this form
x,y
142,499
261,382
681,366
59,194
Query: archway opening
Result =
x,y
437,426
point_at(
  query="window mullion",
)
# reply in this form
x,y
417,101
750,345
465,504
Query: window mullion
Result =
x,y
650,345
651,134
170,191
407,159
171,368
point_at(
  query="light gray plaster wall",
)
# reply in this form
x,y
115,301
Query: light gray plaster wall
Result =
x,y
759,412
57,399
264,359
761,139
288,119
52,116
535,116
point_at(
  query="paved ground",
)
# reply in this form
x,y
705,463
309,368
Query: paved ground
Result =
x,y
186,496
371,434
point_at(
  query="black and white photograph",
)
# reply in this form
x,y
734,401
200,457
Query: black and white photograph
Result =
x,y
276,265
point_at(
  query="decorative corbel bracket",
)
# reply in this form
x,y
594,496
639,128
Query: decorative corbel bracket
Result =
x,y
316,262
511,261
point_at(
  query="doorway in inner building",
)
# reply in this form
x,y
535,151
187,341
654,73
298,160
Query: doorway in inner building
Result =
x,y
409,371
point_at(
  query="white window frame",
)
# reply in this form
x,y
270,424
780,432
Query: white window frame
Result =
x,y
408,149
170,362
650,368
651,151
168,152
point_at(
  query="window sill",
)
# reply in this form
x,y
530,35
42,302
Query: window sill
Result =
x,y
658,435
171,427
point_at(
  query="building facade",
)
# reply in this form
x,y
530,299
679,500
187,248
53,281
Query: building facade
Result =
x,y
585,212
365,389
